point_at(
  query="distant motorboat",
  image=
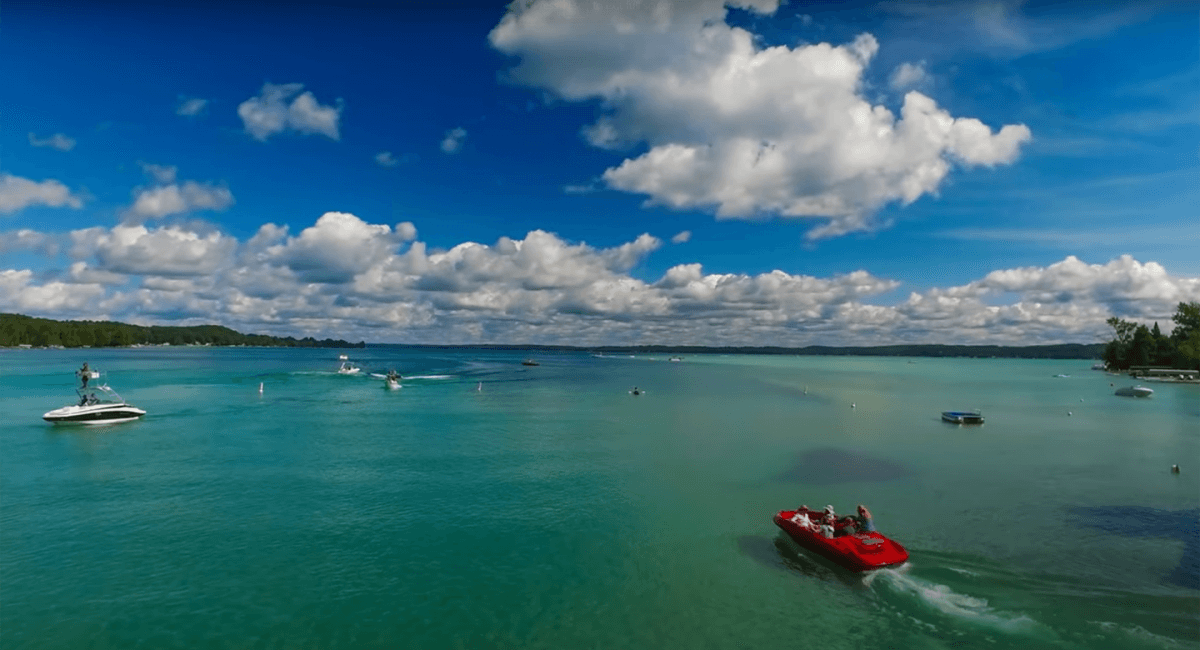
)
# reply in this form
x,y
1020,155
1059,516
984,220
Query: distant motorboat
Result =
x,y
1099,366
342,357
963,417
1134,391
392,380
674,359
530,362
348,368
1061,375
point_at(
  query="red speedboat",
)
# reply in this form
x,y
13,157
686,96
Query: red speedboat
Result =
x,y
858,551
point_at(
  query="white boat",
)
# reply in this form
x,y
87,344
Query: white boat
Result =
x,y
1099,366
342,357
392,381
1134,391
98,404
676,359
348,368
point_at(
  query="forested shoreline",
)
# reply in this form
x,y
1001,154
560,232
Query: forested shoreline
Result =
x,y
19,330
1135,345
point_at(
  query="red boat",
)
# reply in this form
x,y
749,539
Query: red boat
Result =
x,y
857,551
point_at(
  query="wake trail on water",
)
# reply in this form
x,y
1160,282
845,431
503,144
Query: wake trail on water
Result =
x,y
944,600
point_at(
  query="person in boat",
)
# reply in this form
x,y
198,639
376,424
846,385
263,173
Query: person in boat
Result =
x,y
85,374
801,517
865,523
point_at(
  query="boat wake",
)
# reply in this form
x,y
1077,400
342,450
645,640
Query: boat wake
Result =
x,y
944,600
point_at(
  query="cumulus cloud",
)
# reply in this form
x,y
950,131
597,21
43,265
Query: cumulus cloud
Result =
x,y
908,75
17,193
682,237
169,251
191,107
346,277
385,159
280,107
453,140
338,247
30,240
742,130
57,141
164,200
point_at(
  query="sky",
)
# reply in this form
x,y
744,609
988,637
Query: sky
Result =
x,y
674,172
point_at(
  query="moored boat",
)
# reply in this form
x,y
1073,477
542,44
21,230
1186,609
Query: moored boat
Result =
x,y
857,551
963,417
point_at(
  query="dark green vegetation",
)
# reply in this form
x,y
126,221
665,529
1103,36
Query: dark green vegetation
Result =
x,y
16,329
1138,345
1063,351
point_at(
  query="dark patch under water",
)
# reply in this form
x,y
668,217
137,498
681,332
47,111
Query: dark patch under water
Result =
x,y
831,465
1140,521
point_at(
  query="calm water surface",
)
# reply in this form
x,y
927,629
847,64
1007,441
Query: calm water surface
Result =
x,y
552,509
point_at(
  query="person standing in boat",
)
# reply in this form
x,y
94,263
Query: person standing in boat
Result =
x,y
85,374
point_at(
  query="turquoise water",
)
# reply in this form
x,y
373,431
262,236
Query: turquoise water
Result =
x,y
552,509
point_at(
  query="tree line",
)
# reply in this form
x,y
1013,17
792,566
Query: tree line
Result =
x,y
17,329
1135,344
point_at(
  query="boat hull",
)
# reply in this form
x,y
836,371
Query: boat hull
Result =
x,y
1134,391
93,415
857,552
962,417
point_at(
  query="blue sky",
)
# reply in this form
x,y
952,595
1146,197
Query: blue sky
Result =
x,y
644,172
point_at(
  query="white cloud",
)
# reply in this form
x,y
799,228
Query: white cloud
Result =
x,y
453,140
339,247
348,278
19,294
31,240
270,113
191,107
56,141
168,251
162,174
736,128
385,159
17,193
908,75
164,200
682,237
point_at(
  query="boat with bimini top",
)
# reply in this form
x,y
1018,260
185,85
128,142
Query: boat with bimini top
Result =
x,y
98,404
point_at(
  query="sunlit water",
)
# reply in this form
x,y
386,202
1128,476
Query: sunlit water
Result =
x,y
491,505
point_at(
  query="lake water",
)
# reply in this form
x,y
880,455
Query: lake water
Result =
x,y
553,509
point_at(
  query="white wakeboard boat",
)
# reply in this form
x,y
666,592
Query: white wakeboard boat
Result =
x,y
98,404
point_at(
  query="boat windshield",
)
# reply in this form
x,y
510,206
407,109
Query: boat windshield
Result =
x,y
100,394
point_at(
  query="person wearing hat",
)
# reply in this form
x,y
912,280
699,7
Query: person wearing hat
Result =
x,y
863,520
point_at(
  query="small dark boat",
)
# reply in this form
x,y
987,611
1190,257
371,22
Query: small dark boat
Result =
x,y
963,417
858,551
530,362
